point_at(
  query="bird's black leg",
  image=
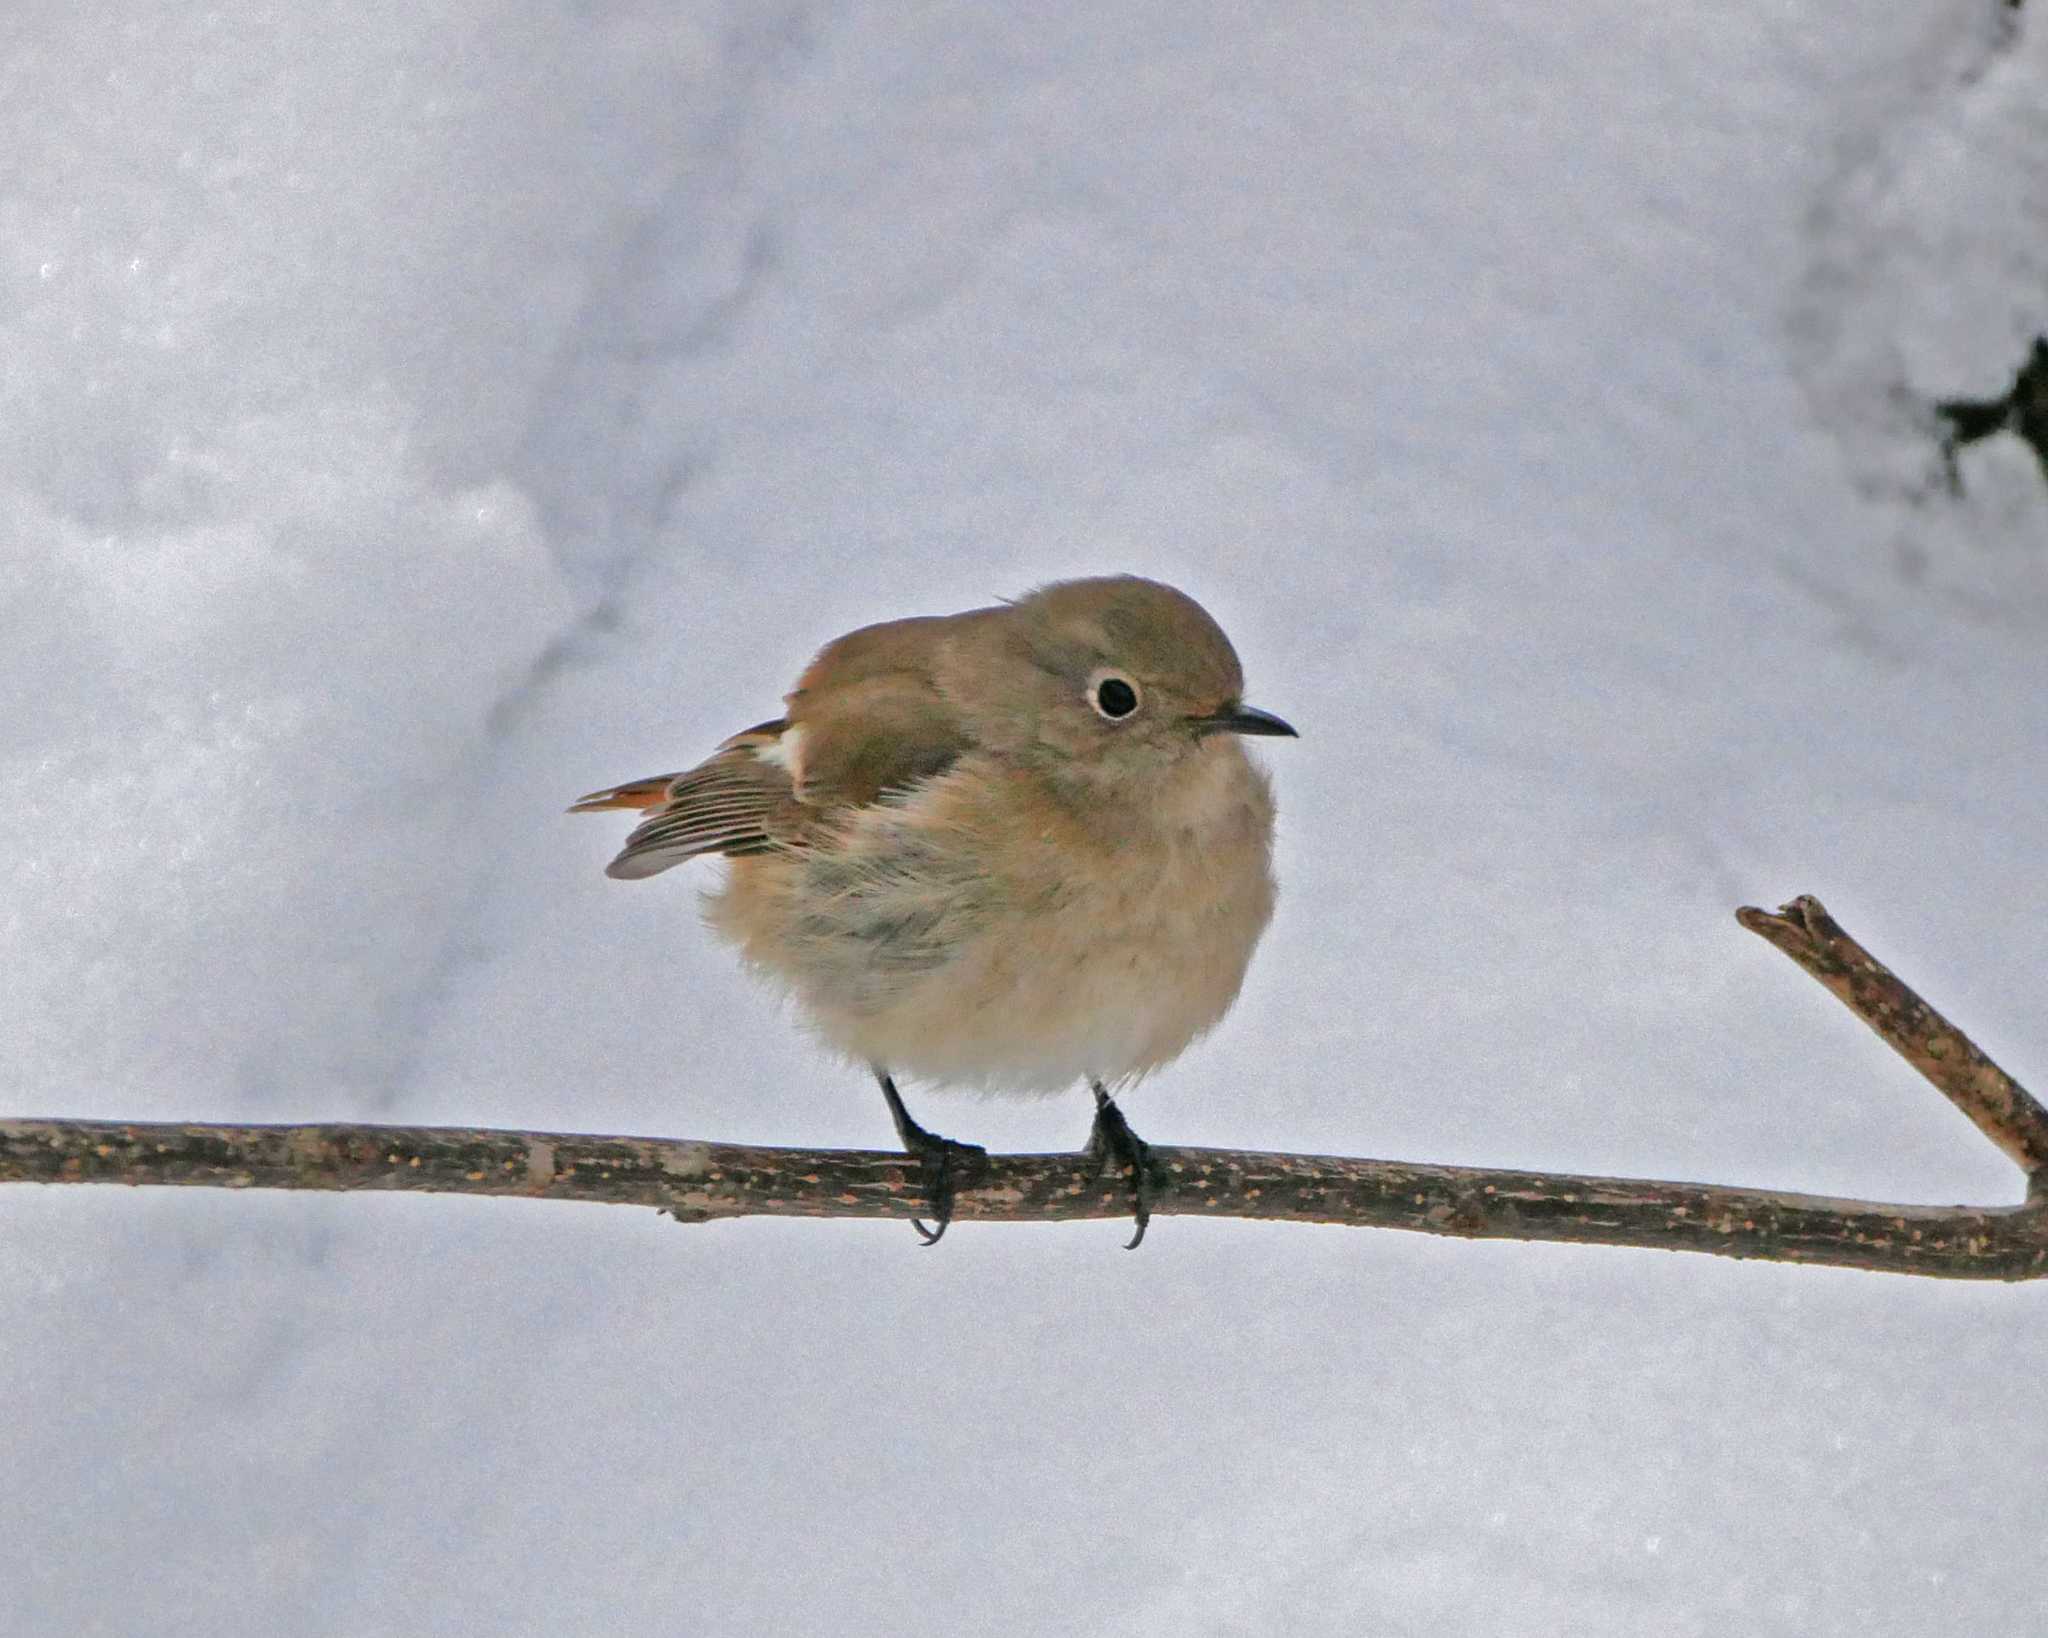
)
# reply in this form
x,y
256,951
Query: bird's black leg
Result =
x,y
937,1159
1111,1139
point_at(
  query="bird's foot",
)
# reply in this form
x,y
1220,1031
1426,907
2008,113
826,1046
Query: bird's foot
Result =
x,y
1111,1140
941,1163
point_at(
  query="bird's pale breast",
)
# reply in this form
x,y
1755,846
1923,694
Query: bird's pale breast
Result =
x,y
982,933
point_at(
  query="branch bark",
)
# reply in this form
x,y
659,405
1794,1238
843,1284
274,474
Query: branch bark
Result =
x,y
696,1182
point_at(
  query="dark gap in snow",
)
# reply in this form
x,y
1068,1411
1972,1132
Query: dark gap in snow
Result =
x,y
2021,409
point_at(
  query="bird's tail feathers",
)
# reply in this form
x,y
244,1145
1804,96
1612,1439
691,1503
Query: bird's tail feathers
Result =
x,y
641,793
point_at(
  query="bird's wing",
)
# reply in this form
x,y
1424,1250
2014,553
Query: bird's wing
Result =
x,y
865,723
729,803
867,719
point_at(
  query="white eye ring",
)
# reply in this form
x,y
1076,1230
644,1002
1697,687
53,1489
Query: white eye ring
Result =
x,y
1116,698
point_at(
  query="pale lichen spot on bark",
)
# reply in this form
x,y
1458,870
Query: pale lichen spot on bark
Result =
x,y
307,1150
687,1160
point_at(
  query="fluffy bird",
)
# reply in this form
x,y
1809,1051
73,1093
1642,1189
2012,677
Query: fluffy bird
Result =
x,y
1009,849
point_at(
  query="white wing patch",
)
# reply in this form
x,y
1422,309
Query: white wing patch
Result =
x,y
785,751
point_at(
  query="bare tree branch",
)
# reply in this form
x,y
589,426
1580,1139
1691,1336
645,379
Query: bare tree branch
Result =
x,y
696,1182
2004,1111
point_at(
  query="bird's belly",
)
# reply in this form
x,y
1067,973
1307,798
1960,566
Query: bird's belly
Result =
x,y
978,983
1048,1007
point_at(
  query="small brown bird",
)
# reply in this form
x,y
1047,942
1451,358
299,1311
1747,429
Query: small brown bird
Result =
x,y
1008,849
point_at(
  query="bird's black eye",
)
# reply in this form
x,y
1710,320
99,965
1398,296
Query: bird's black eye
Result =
x,y
1114,697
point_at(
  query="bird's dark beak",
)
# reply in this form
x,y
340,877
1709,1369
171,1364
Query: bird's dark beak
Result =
x,y
1242,719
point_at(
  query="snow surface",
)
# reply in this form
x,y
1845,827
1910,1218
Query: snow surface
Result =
x,y
415,415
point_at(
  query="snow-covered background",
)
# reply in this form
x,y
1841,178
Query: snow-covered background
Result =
x,y
413,415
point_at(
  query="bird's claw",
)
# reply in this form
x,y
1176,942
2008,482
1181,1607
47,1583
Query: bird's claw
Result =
x,y
937,1158
1111,1139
